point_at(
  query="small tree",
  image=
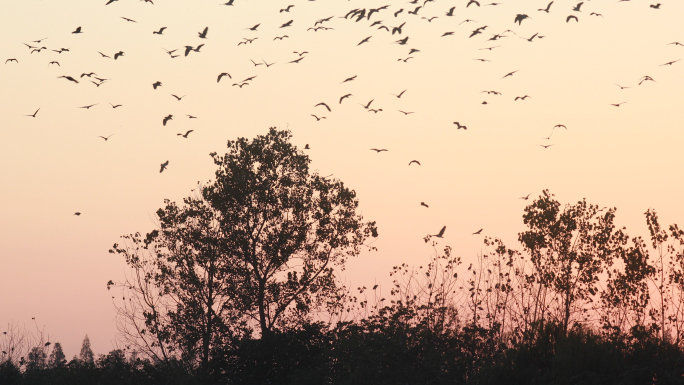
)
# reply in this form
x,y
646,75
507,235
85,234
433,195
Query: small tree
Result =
x,y
36,359
87,356
569,249
57,358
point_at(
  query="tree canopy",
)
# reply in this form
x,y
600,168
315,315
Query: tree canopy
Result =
x,y
256,247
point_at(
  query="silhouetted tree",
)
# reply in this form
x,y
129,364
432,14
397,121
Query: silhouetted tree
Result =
x,y
569,249
37,359
87,356
259,244
57,358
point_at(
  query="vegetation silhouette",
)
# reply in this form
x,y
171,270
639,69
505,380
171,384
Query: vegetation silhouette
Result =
x,y
238,286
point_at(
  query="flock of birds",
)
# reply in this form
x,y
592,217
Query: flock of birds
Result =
x,y
386,24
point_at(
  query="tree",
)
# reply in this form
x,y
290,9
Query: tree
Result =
x,y
57,358
36,359
570,248
256,246
87,356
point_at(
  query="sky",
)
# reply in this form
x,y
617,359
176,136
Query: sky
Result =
x,y
620,145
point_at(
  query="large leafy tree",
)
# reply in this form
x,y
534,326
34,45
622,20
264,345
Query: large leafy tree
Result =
x,y
257,246
570,248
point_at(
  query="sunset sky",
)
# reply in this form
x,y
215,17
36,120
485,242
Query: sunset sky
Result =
x,y
54,265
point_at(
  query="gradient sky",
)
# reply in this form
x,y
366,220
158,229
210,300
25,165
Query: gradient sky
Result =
x,y
54,265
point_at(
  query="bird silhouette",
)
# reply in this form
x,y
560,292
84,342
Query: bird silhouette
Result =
x,y
348,79
77,30
577,7
478,231
519,18
318,118
546,145
450,12
405,112
288,24
129,20
655,6
324,105
521,97
163,166
69,78
440,234
414,161
364,41
509,74
11,60
77,214
286,9
203,34
116,55
88,106
567,20
166,119
459,126
548,7
106,138
378,150
161,31
34,114
254,28
115,106
186,134
344,97
222,74
617,104
424,204
525,197
156,84
367,106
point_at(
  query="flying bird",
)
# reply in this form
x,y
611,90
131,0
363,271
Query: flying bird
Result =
x,y
525,197
163,166
567,20
222,74
105,137
324,105
88,107
318,118
364,41
519,18
576,8
130,20
34,114
344,97
11,60
459,126
414,161
286,9
166,119
509,74
521,97
156,84
161,30
424,204
116,55
378,150
478,231
546,145
348,79
77,30
178,97
548,7
440,234
186,134
69,78
203,34
289,23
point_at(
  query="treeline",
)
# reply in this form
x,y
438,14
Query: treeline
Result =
x,y
238,285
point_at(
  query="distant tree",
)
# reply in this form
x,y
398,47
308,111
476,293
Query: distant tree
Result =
x,y
258,245
569,249
86,356
36,359
57,358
